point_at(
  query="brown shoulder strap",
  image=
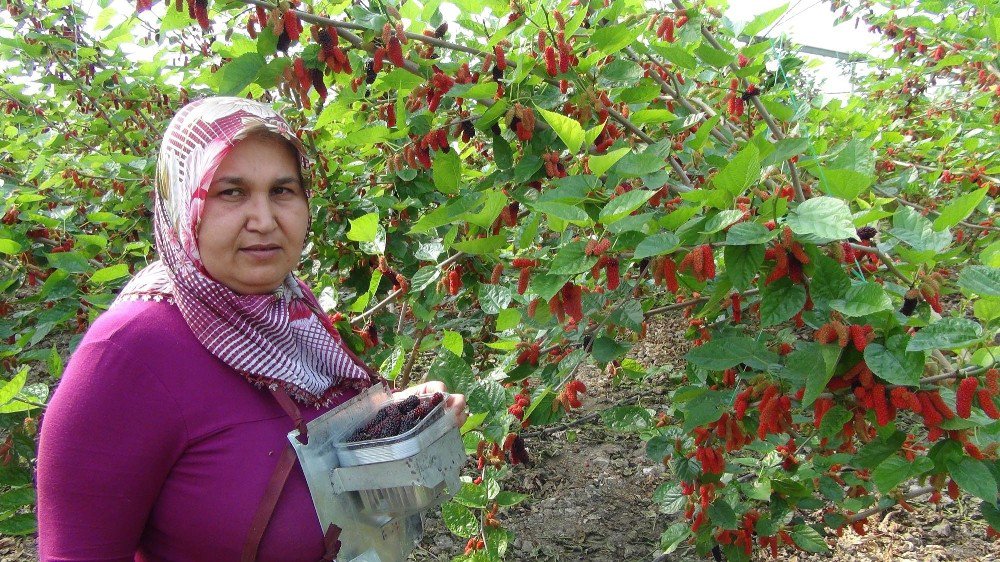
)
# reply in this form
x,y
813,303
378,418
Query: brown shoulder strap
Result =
x,y
267,504
274,487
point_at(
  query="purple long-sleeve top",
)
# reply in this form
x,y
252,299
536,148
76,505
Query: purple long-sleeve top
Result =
x,y
153,449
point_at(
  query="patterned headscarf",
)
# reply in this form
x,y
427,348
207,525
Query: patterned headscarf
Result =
x,y
281,340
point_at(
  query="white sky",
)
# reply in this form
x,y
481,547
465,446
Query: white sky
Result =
x,y
810,22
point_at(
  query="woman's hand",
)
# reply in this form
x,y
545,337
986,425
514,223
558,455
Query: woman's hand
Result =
x,y
454,402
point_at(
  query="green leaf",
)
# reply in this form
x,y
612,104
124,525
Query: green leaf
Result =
x,y
741,171
572,259
916,231
896,470
109,273
363,228
946,333
959,208
863,299
722,514
19,525
10,247
563,211
239,73
622,205
721,220
656,245
606,350
71,262
761,21
452,341
674,536
815,364
367,136
845,184
10,389
18,497
748,233
894,364
481,246
809,539
603,162
445,214
829,281
568,129
447,171
613,38
743,263
873,453
651,117
974,477
725,352
980,279
459,519
833,421
825,218
507,498
780,301
627,418
676,55
706,408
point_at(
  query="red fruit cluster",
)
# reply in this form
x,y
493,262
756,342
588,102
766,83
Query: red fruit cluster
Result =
x,y
730,430
861,335
521,401
143,5
522,120
525,265
597,247
440,84
964,395
789,257
611,269
568,302
513,445
775,412
666,29
293,25
736,301
529,354
874,397
700,262
553,165
665,272
833,331
474,544
569,397
455,280
711,460
734,100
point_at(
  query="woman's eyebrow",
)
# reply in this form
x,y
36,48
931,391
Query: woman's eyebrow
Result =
x,y
235,180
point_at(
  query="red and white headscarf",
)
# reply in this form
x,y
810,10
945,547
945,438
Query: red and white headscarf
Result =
x,y
279,340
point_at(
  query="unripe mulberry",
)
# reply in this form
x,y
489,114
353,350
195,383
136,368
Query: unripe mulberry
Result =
x,y
987,404
550,60
964,395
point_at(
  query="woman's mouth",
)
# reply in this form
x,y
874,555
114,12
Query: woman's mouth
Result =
x,y
261,250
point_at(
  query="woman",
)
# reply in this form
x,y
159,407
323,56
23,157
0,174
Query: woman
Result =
x,y
171,418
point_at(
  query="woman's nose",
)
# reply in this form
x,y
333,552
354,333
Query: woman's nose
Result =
x,y
261,214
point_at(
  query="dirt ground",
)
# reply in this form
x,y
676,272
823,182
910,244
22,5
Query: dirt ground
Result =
x,y
591,494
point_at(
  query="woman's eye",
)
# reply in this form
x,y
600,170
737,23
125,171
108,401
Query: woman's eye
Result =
x,y
232,192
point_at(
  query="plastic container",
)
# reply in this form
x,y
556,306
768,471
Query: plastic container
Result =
x,y
406,473
397,447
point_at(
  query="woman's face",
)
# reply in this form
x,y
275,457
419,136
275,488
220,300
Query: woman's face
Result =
x,y
256,217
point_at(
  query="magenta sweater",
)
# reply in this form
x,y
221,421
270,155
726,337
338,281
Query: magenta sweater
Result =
x,y
153,449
